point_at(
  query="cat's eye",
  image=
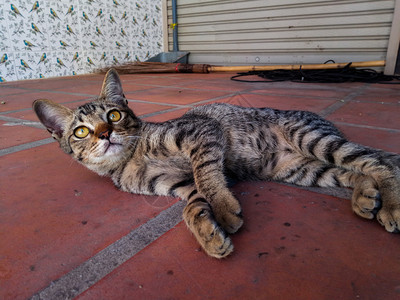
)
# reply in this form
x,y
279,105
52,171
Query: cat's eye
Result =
x,y
81,132
114,115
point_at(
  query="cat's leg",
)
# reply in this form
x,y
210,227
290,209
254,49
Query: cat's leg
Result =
x,y
313,140
207,161
384,169
202,141
199,218
297,169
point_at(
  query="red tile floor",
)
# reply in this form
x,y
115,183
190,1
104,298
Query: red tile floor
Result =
x,y
66,232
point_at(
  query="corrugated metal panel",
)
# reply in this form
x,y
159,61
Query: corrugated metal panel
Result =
x,y
282,31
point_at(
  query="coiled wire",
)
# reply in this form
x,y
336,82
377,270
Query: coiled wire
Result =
x,y
346,74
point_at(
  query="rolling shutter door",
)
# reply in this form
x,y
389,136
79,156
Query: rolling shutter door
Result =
x,y
241,32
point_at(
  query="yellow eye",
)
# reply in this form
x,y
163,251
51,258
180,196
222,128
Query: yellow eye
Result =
x,y
81,132
114,116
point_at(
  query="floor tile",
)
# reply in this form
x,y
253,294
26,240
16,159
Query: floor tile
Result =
x,y
382,139
89,77
373,94
94,88
156,81
174,95
29,114
132,87
55,214
15,102
88,88
217,85
12,134
48,83
167,116
394,86
5,91
279,102
372,114
320,93
289,236
139,109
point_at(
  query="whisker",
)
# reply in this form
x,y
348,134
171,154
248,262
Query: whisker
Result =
x,y
134,136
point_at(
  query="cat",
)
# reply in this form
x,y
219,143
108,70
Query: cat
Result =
x,y
190,157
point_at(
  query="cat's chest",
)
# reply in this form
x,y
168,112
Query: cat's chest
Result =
x,y
151,175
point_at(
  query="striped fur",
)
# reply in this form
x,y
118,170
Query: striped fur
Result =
x,y
191,156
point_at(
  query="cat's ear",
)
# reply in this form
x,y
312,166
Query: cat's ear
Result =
x,y
112,88
53,116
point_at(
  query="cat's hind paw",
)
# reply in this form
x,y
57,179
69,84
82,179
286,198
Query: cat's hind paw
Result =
x,y
389,215
390,219
366,200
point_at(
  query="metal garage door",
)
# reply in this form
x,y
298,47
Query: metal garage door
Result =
x,y
237,32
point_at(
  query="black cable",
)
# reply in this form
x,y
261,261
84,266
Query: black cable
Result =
x,y
346,74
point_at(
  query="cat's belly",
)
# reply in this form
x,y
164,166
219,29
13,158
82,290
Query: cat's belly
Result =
x,y
255,167
151,176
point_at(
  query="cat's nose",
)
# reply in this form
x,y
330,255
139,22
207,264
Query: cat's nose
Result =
x,y
105,134
103,131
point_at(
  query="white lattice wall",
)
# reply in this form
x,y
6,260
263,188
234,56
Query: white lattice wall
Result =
x,y
67,37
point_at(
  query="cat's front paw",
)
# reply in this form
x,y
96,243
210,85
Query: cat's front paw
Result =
x,y
212,238
228,214
216,243
231,222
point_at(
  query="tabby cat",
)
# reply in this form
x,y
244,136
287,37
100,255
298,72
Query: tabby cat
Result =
x,y
191,157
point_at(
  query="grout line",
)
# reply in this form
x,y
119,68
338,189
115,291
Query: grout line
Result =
x,y
25,92
29,108
191,105
90,98
14,111
324,98
367,126
215,99
177,87
152,102
15,121
339,104
66,93
34,90
338,192
103,263
107,260
28,91
25,146
160,112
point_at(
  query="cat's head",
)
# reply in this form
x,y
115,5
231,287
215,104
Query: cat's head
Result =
x,y
99,134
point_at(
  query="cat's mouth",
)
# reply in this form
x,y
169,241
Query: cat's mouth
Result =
x,y
112,148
